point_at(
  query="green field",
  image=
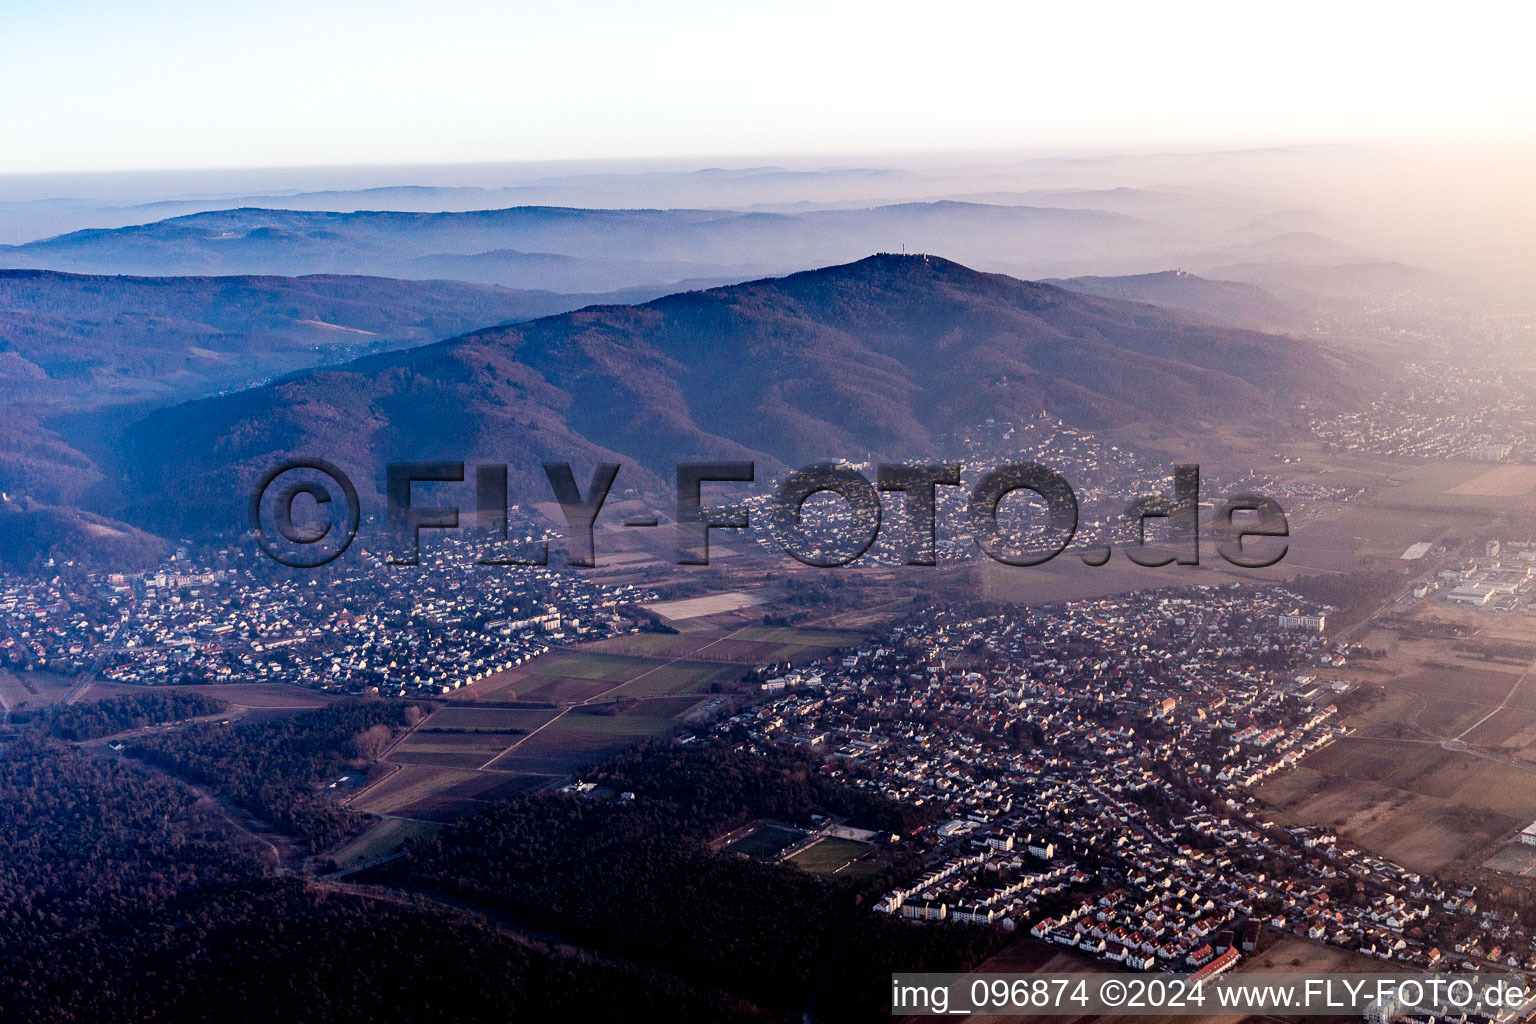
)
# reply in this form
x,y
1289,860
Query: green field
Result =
x,y
588,665
800,637
828,856
381,839
679,677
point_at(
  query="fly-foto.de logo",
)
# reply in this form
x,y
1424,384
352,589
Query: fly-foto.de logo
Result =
x,y
335,513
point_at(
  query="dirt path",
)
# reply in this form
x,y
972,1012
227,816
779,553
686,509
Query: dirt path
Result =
x,y
1504,704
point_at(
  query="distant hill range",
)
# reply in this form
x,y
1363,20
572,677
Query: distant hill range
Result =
x,y
1234,303
1030,235
568,249
881,357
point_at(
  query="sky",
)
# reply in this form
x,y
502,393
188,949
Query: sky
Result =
x,y
166,84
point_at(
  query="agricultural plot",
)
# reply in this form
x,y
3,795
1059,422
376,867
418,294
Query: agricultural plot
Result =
x,y
1392,786
699,607
453,749
563,689
382,839
584,664
799,637
489,719
1414,802
657,645
653,664
436,793
575,740
589,702
1501,482
411,784
677,677
1511,731
466,795
32,690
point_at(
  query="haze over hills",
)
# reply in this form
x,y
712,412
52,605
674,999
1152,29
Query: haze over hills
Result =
x,y
879,357
601,249
1234,303
1329,284
119,337
45,206
79,354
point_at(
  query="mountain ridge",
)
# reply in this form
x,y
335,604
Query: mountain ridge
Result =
x,y
879,357
78,352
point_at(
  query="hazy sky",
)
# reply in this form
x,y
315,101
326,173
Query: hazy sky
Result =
x,y
167,84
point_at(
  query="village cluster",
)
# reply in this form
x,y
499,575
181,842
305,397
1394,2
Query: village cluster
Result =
x,y
360,627
1441,411
1105,477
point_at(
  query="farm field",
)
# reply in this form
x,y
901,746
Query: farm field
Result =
x,y
1296,955
1066,578
799,637
410,784
1393,786
1423,832
1454,486
653,664
567,679
382,839
1500,482
32,690
453,749
490,719
741,647
564,710
678,678
575,740
264,696
467,795
435,793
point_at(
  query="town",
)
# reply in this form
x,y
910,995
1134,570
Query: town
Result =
x,y
425,629
1091,765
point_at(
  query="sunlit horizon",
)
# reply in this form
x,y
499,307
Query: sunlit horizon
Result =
x,y
171,85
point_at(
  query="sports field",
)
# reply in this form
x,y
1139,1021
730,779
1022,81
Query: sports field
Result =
x,y
766,842
828,856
